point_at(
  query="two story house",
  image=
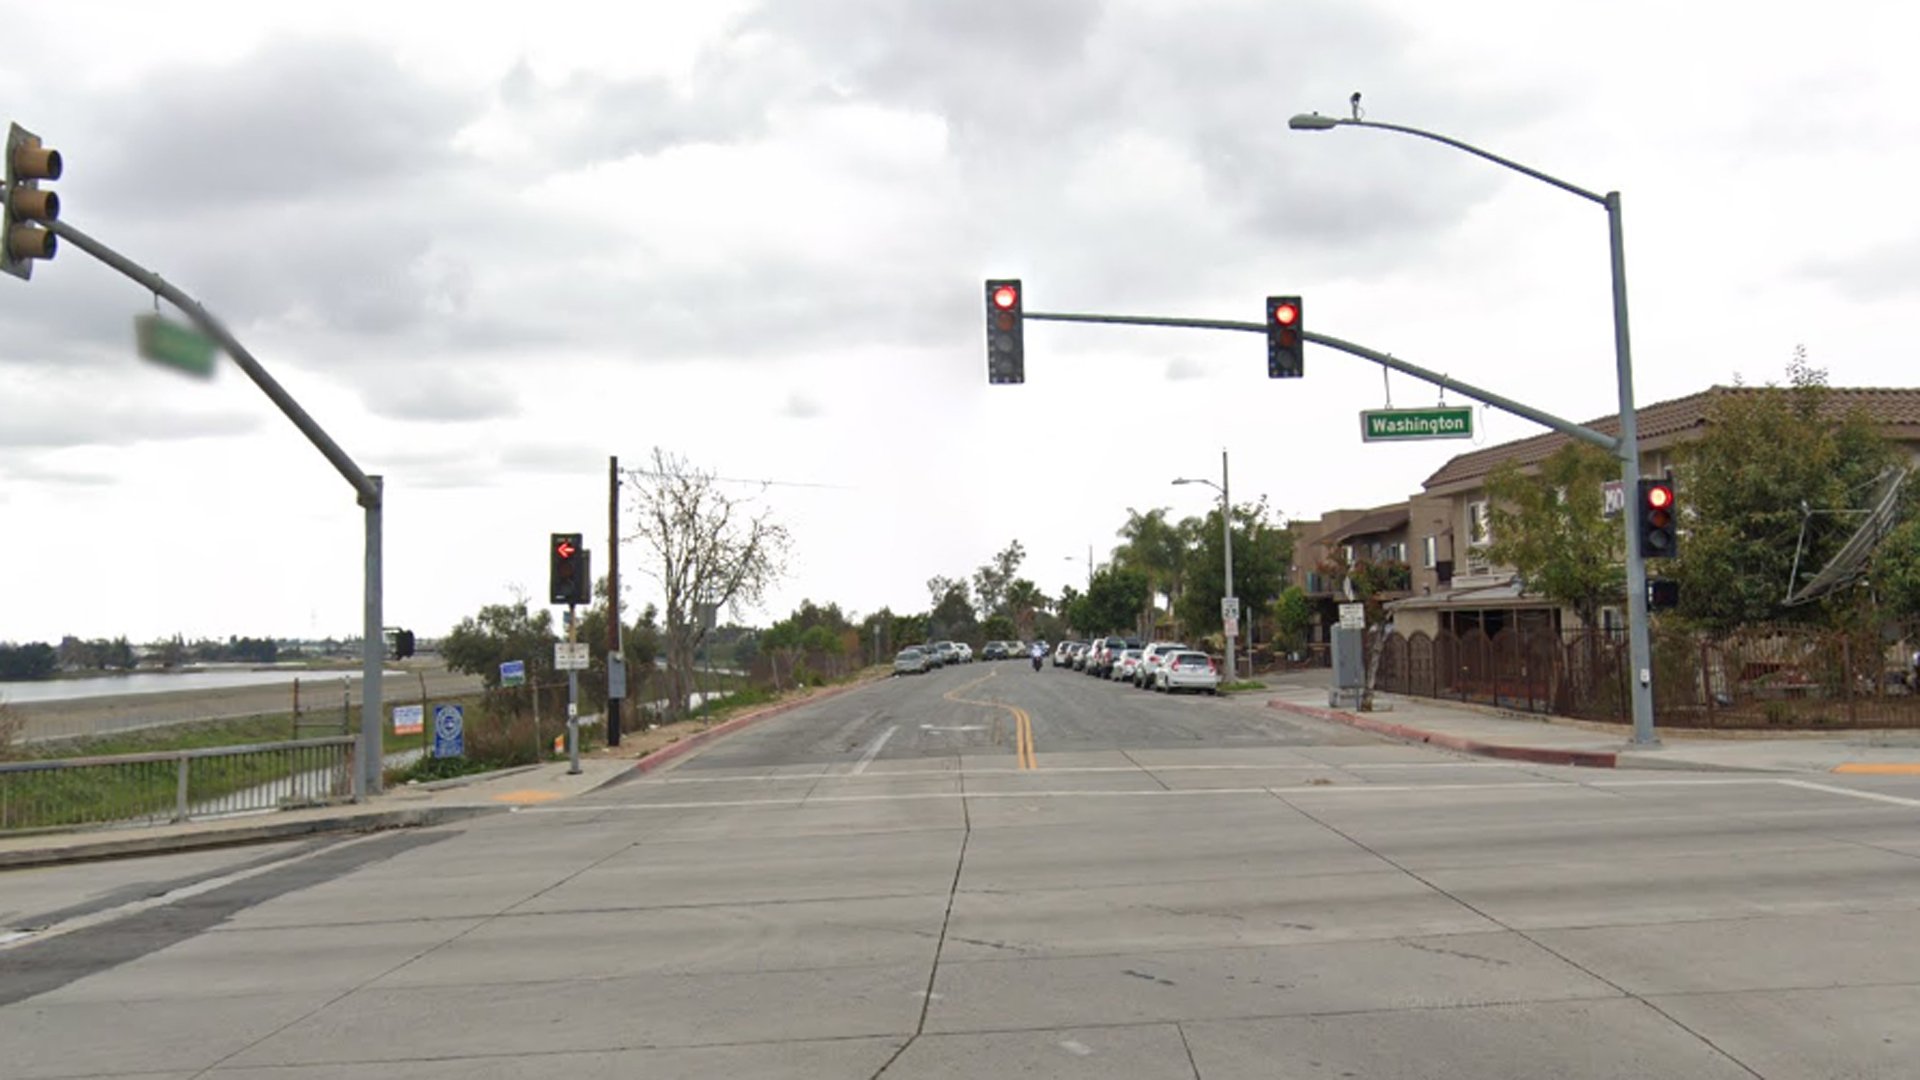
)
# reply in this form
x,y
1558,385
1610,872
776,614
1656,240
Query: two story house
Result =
x,y
1457,588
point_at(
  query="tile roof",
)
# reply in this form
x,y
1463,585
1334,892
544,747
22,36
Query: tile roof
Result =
x,y
1672,421
1379,521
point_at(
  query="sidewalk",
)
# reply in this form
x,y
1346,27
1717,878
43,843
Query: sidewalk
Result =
x,y
404,806
1557,741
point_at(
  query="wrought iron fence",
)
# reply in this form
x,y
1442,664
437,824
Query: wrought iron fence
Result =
x,y
1765,677
173,786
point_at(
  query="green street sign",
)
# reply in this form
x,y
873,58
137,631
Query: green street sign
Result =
x,y
1399,425
164,341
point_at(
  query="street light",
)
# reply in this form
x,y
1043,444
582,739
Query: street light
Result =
x,y
1226,529
1627,446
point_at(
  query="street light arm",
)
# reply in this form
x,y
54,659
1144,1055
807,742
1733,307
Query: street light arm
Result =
x,y
1209,483
1320,123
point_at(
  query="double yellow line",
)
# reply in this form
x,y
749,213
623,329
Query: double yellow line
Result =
x,y
1022,723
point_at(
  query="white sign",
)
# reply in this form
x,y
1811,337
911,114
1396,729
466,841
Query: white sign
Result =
x,y
1233,628
409,719
1353,616
1613,498
1230,608
570,656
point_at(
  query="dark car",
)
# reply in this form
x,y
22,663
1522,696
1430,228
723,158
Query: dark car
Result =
x,y
994,650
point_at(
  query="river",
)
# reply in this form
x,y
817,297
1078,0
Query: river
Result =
x,y
161,682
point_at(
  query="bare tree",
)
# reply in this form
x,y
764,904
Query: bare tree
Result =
x,y
710,551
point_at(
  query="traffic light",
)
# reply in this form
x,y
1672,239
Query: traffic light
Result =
x,y
22,235
1284,325
567,578
1663,594
1006,348
402,644
1659,533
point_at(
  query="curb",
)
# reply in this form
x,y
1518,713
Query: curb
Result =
x,y
672,752
121,847
1593,759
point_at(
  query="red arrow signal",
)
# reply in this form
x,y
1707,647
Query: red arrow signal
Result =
x,y
565,549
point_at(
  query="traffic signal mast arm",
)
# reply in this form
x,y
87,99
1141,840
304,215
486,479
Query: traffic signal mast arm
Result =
x,y
1546,419
366,488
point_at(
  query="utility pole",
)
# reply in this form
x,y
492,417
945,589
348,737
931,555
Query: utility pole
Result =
x,y
1226,526
616,652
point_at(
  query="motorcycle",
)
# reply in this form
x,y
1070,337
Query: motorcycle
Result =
x,y
1036,662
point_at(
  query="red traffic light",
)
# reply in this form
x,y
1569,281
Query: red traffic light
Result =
x,y
1286,314
1005,297
564,548
1659,497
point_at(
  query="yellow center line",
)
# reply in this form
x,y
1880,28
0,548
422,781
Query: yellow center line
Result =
x,y
1022,723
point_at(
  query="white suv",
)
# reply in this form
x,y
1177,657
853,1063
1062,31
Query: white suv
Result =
x,y
1151,658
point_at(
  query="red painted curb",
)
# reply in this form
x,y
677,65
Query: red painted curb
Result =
x,y
673,751
1592,759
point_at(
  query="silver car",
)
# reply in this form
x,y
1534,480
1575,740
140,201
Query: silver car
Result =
x,y
1188,671
1146,673
911,662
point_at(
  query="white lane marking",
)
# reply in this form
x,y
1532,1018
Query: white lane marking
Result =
x,y
874,750
1851,793
1558,786
893,773
7,937
962,727
1076,1047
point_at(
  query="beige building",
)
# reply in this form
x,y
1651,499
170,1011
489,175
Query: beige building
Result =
x,y
1455,587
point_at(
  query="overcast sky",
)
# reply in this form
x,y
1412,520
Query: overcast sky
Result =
x,y
487,246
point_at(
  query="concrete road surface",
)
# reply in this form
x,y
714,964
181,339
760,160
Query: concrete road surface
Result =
x,y
990,872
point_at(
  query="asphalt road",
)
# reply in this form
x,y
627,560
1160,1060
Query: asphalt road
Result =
x,y
992,872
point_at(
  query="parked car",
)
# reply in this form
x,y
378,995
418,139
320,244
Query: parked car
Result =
x,y
993,650
911,661
1123,667
1150,659
1063,654
1105,652
1082,652
945,653
1189,671
964,650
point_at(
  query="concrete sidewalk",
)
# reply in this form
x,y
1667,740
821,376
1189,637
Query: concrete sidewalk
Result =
x,y
398,807
1557,741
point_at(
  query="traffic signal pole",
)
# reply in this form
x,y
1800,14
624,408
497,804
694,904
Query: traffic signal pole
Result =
x,y
368,489
1448,382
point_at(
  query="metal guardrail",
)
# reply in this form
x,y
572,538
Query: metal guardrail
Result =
x,y
175,785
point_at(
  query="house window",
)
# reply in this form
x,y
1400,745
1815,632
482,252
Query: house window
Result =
x,y
1348,551
1479,527
1429,552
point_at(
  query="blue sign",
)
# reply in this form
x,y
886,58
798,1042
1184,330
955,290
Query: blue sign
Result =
x,y
449,731
513,673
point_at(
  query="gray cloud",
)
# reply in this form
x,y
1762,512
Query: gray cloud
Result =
x,y
471,395
1184,368
801,407
59,420
1886,272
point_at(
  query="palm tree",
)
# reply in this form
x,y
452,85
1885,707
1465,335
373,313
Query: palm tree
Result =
x,y
1153,546
1024,601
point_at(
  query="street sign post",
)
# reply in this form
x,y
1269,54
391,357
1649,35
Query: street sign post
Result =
x,y
1403,425
513,673
570,656
182,348
449,731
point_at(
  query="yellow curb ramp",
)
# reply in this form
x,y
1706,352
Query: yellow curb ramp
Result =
x,y
1879,768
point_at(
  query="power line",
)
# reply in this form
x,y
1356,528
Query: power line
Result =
x,y
742,480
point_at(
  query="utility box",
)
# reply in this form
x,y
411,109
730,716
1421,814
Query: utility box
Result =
x,y
1349,668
